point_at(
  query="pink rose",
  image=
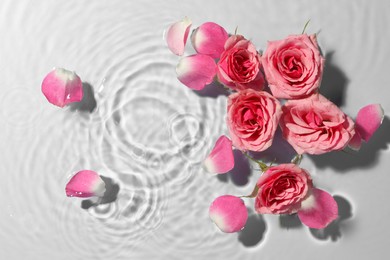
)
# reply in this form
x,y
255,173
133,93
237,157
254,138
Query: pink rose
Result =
x,y
282,189
252,119
315,125
293,66
239,66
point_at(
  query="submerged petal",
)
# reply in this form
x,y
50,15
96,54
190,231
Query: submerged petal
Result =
x,y
177,35
318,210
209,39
368,120
85,184
196,71
62,87
221,159
228,213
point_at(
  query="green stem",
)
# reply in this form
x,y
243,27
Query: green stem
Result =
x,y
304,28
297,159
262,165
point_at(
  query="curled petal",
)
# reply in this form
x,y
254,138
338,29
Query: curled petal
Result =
x,y
318,210
85,184
228,213
62,87
368,120
356,142
177,35
209,39
196,71
221,159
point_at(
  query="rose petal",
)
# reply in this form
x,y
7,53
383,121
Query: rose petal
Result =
x,y
228,213
62,87
85,184
368,120
356,142
318,210
221,159
196,71
177,35
209,39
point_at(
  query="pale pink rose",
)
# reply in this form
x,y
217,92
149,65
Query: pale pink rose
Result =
x,y
293,66
315,125
252,119
288,189
239,66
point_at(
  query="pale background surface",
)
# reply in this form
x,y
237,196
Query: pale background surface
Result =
x,y
147,133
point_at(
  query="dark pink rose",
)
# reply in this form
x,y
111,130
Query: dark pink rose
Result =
x,y
282,189
293,66
239,66
252,119
315,125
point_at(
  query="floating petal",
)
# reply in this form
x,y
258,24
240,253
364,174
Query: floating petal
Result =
x,y
368,120
318,210
85,184
221,158
356,142
209,39
62,87
196,71
228,213
177,35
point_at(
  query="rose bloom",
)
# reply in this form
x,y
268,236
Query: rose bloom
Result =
x,y
293,66
315,125
239,66
252,119
282,189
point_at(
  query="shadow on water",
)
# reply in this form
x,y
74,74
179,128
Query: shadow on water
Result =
x,y
279,152
334,230
88,103
334,81
365,158
290,221
213,90
241,171
254,230
111,194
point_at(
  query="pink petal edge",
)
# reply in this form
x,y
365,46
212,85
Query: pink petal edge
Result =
x,y
62,87
196,71
229,213
221,158
85,184
177,35
209,39
368,120
356,142
318,210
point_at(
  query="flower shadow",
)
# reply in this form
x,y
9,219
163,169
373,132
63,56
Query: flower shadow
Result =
x,y
88,103
241,172
213,90
111,194
334,81
365,158
254,230
333,231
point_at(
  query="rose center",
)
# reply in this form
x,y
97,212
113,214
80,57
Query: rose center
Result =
x,y
314,120
252,118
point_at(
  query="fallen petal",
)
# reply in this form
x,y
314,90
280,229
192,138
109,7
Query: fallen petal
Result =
x,y
196,71
356,142
221,158
318,210
85,184
177,35
62,87
368,120
209,39
228,213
